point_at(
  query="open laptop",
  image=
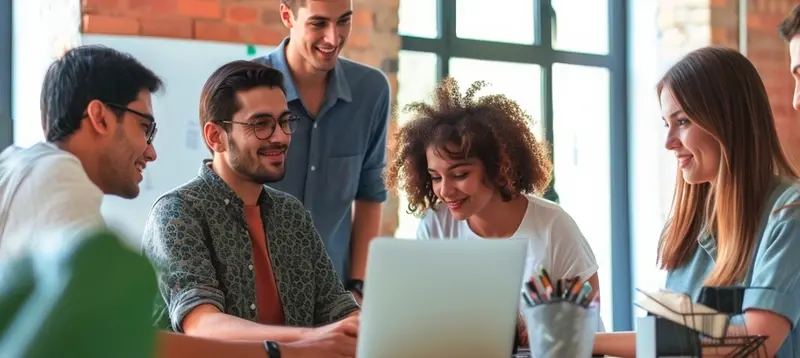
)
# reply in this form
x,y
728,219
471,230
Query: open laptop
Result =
x,y
441,298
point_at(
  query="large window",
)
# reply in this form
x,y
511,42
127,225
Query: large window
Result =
x,y
6,125
565,64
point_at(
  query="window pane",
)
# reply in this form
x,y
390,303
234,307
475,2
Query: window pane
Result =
x,y
519,81
416,77
582,167
418,18
581,27
514,24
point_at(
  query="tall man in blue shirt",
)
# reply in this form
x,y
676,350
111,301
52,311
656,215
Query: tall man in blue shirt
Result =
x,y
338,152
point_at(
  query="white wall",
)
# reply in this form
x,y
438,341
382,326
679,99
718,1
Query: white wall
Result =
x,y
652,170
42,30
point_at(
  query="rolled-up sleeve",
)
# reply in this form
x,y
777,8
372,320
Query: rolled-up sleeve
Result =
x,y
175,244
332,302
774,285
371,186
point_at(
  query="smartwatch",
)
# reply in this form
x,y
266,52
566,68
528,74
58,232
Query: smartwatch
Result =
x,y
272,348
356,285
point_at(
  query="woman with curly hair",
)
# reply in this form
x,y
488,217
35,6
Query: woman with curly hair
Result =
x,y
472,168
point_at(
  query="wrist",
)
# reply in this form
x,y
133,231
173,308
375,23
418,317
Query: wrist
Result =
x,y
356,286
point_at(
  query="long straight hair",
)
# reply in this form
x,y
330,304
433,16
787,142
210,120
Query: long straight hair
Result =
x,y
721,92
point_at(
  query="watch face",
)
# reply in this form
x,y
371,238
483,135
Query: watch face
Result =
x,y
273,350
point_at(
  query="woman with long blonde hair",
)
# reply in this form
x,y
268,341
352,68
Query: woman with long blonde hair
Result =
x,y
734,219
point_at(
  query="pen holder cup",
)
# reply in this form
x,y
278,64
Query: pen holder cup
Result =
x,y
561,329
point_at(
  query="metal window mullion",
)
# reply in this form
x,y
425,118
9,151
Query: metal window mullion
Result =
x,y
6,73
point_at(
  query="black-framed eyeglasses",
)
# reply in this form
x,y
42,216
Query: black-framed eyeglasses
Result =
x,y
151,130
264,127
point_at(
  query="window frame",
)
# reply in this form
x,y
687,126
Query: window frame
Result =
x,y
6,73
448,45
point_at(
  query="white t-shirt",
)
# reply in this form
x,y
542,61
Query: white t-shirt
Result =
x,y
43,189
556,243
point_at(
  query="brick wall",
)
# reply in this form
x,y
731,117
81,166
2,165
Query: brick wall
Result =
x,y
374,39
689,24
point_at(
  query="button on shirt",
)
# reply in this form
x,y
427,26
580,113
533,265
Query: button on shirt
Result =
x,y
339,156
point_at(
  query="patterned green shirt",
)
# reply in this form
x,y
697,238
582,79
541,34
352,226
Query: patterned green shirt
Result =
x,y
197,239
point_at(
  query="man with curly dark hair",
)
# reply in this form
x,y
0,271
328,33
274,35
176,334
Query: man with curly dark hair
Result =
x,y
472,168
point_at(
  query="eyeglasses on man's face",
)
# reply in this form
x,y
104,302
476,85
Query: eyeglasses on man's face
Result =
x,y
150,131
264,126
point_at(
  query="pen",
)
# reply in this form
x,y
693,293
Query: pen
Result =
x,y
527,298
575,289
585,290
568,286
558,288
531,285
546,283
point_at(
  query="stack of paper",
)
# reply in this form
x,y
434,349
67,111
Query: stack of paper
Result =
x,y
679,308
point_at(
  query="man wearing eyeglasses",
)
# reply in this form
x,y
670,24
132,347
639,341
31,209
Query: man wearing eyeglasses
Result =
x,y
237,259
98,125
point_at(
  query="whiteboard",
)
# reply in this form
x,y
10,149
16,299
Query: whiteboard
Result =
x,y
184,65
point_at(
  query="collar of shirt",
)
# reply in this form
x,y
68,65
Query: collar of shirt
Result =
x,y
337,83
223,192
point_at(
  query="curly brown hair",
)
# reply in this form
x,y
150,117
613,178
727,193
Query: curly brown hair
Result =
x,y
493,129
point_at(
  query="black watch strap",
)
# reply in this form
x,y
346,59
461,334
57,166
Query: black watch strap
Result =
x,y
272,348
356,285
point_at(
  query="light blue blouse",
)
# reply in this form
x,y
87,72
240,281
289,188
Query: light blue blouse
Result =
x,y
776,264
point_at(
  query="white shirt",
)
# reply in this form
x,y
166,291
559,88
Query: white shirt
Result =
x,y
556,243
43,189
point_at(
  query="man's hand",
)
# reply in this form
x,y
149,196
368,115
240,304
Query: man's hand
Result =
x,y
347,326
335,340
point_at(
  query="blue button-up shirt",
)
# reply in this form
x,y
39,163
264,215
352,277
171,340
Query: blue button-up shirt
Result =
x,y
773,272
339,156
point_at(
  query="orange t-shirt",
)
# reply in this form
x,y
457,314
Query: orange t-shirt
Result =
x,y
268,301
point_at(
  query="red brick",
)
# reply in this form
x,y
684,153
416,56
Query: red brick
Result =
x,y
720,3
363,19
201,9
100,6
763,22
263,35
169,27
153,7
110,25
359,40
216,31
242,14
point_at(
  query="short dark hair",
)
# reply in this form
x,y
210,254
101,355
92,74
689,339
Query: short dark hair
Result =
x,y
791,25
494,129
218,98
294,4
86,73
